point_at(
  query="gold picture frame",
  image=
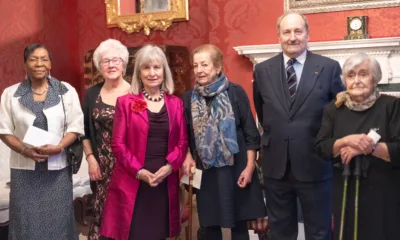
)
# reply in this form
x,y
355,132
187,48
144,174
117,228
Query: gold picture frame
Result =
x,y
318,6
161,20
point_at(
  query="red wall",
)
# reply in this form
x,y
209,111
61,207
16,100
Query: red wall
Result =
x,y
248,22
70,28
93,29
39,21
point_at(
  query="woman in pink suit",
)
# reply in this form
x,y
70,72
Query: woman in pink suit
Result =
x,y
150,143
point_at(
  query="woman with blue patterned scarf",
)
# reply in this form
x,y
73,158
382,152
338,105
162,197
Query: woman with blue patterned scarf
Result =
x,y
223,140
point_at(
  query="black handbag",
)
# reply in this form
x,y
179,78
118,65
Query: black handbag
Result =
x,y
75,150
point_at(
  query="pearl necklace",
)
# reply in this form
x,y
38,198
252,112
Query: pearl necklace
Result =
x,y
153,99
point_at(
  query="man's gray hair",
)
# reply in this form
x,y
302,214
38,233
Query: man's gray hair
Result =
x,y
278,22
355,60
144,56
114,46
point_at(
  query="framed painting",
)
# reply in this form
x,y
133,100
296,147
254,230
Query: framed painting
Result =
x,y
317,6
136,15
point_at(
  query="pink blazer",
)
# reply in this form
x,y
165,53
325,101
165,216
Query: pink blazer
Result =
x,y
129,140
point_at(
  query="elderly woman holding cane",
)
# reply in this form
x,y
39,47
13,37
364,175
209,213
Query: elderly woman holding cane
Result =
x,y
344,136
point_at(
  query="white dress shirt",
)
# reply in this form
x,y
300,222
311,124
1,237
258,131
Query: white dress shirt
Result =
x,y
298,65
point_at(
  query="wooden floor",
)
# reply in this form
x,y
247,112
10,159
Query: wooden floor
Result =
x,y
83,230
226,232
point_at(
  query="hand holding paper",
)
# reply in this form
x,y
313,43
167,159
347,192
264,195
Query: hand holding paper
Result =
x,y
188,164
362,142
41,144
33,154
197,173
48,149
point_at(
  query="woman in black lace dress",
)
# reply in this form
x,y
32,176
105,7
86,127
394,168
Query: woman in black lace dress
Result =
x,y
111,59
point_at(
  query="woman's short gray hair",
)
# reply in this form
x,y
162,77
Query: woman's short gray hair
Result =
x,y
355,60
114,46
144,56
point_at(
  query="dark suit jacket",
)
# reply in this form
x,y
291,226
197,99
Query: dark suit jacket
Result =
x,y
290,127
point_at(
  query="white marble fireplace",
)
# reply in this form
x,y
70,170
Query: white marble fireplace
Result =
x,y
385,50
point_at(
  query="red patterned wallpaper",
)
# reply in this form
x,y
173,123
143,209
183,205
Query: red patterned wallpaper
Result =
x,y
242,22
50,22
70,28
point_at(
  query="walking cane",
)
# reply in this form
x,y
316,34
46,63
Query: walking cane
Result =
x,y
192,170
357,174
345,174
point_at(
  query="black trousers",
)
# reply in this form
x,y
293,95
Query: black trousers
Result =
x,y
239,232
316,205
4,232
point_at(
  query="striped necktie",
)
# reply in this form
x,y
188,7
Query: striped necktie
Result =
x,y
291,77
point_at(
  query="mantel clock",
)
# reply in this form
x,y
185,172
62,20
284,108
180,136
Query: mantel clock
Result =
x,y
356,28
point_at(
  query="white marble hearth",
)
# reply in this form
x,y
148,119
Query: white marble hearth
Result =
x,y
385,50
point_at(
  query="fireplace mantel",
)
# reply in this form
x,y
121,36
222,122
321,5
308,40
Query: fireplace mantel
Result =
x,y
385,50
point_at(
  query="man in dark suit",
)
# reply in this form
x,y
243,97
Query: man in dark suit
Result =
x,y
290,92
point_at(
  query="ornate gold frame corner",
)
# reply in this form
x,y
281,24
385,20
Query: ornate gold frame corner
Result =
x,y
318,6
146,21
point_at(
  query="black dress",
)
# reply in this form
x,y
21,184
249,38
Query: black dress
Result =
x,y
379,193
150,218
220,201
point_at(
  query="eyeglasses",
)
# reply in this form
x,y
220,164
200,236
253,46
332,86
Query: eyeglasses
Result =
x,y
114,61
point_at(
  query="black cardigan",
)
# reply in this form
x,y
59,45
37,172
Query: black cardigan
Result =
x,y
89,101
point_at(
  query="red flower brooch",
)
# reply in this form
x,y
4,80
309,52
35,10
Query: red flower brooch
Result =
x,y
138,105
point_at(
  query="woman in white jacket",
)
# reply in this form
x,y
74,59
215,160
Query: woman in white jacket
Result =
x,y
41,186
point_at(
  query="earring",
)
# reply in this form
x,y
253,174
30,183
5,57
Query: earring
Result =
x,y
49,76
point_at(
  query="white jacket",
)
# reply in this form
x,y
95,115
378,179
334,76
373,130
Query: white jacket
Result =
x,y
15,119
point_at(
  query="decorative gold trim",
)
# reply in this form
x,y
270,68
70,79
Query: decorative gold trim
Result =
x,y
317,6
146,21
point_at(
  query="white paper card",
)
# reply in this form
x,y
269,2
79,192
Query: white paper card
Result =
x,y
374,135
196,179
37,137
